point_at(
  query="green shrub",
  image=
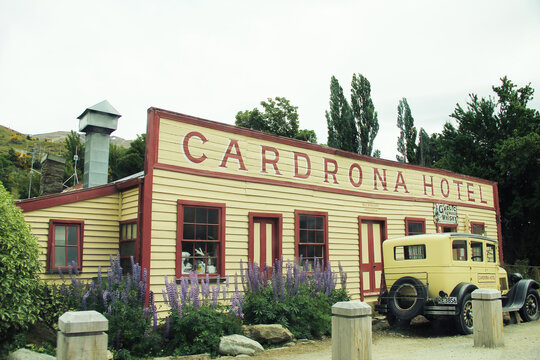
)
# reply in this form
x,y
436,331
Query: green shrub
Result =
x,y
293,297
198,330
20,302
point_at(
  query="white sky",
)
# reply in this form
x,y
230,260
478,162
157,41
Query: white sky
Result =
x,y
211,59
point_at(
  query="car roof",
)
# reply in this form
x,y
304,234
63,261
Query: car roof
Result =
x,y
435,237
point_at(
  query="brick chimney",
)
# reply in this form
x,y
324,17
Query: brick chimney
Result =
x,y
52,173
98,122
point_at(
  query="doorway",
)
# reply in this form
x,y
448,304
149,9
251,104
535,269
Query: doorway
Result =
x,y
264,238
372,232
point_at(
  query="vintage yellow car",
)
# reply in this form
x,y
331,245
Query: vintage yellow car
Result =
x,y
434,275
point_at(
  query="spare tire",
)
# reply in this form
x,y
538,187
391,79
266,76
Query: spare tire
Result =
x,y
407,298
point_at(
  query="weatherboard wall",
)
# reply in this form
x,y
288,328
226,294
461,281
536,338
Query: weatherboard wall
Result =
x,y
192,159
101,226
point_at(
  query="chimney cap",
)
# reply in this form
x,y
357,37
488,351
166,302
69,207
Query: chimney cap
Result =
x,y
102,107
102,118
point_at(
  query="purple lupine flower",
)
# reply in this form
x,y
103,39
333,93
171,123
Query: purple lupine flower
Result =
x,y
165,299
224,292
109,310
227,280
85,296
74,265
146,312
109,277
61,274
105,297
215,295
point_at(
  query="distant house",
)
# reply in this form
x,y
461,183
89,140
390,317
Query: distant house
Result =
x,y
213,195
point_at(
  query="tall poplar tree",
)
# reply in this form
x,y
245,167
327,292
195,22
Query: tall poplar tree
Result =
x,y
406,144
342,132
364,113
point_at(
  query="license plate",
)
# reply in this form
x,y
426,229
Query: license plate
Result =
x,y
447,300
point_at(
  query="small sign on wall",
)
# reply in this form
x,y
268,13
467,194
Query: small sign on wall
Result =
x,y
445,214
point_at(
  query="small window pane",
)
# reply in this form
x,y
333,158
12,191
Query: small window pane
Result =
x,y
212,249
201,232
311,236
59,256
60,235
303,222
213,216
459,250
490,253
476,248
310,251
134,230
201,216
478,229
71,255
319,251
415,227
189,214
72,235
303,236
200,249
410,252
189,232
319,222
311,222
213,232
187,248
123,232
127,248
319,237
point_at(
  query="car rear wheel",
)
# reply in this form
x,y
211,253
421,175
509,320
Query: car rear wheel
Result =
x,y
464,320
529,311
407,298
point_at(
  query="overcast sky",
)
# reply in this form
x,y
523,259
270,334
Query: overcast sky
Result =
x,y
211,59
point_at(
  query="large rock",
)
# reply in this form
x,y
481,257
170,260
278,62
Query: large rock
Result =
x,y
25,354
238,344
268,334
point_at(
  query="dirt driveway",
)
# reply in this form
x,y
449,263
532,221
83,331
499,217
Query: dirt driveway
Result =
x,y
426,340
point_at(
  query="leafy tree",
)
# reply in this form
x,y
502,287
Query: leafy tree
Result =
x,y
364,113
19,269
115,154
342,131
406,144
132,161
497,139
278,117
377,154
306,135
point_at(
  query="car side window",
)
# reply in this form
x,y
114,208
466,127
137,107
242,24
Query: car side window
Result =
x,y
459,250
410,252
477,251
490,253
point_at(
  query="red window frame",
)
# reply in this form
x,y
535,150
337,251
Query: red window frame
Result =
x,y
220,253
441,226
479,224
135,240
297,230
409,220
51,244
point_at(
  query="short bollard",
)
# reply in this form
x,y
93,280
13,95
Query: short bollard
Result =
x,y
351,331
81,336
488,319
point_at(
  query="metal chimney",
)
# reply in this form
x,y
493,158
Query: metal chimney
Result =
x,y
98,122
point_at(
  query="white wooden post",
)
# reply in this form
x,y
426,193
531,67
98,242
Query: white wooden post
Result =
x,y
351,331
488,318
82,336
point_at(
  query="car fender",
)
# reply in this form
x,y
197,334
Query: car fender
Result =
x,y
463,289
516,296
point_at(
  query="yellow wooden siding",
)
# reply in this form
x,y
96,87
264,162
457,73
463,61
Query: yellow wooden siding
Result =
x,y
129,208
170,151
100,216
243,197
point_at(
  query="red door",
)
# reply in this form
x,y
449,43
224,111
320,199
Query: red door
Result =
x,y
264,240
372,234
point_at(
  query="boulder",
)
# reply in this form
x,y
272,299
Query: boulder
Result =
x,y
25,354
238,344
268,334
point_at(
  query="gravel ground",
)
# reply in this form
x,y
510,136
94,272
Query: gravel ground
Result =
x,y
425,340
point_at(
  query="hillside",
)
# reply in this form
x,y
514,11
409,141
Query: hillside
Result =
x,y
25,143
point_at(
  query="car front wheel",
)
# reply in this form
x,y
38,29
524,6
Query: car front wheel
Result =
x,y
464,320
529,311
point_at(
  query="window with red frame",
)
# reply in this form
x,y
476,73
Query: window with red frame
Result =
x,y
312,238
65,243
447,228
128,245
414,226
478,228
200,238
